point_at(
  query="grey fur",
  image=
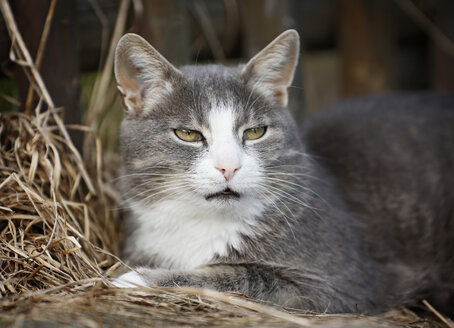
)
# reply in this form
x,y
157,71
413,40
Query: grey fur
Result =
x,y
366,213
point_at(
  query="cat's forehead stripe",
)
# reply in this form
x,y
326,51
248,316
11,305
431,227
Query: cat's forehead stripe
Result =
x,y
221,119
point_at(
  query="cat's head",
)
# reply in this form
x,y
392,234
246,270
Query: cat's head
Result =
x,y
212,136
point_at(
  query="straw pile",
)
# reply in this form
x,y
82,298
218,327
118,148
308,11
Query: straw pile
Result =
x,y
53,219
59,239
177,308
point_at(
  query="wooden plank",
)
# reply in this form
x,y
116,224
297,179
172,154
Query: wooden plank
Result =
x,y
60,65
320,80
442,73
261,23
366,44
165,25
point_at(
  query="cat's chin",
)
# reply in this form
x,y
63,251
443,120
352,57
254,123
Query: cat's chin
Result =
x,y
226,195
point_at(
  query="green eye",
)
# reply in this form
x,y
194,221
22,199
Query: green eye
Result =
x,y
189,135
254,133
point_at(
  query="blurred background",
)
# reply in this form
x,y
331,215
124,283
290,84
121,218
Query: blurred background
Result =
x,y
350,48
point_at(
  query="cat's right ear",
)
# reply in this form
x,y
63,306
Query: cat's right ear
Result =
x,y
143,75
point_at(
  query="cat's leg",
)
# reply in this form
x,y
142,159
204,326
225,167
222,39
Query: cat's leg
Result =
x,y
278,284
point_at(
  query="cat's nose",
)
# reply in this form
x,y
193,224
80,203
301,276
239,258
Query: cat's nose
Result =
x,y
228,173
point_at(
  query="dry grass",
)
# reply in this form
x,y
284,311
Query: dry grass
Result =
x,y
59,238
176,307
52,225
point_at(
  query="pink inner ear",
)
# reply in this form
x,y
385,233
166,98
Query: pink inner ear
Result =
x,y
131,103
279,94
133,100
123,102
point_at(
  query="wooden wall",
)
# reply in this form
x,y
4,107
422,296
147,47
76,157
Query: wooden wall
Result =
x,y
350,47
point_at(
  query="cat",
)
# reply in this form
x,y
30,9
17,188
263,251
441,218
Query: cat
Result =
x,y
351,212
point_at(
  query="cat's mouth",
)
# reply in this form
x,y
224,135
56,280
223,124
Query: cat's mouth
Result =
x,y
226,194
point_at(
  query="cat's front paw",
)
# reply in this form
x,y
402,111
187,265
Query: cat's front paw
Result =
x,y
129,279
144,277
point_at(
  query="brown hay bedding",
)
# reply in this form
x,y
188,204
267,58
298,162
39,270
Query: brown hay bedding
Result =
x,y
58,238
183,307
54,222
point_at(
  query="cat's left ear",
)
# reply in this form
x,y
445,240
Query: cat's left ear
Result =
x,y
271,71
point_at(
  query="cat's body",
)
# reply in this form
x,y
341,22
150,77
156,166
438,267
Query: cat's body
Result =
x,y
358,216
392,160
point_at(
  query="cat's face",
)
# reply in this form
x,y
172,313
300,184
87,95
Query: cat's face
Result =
x,y
207,135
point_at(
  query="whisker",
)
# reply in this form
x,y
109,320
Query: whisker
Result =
x,y
146,200
309,176
286,218
293,186
295,87
299,201
177,199
149,190
150,174
158,182
287,182
174,185
290,196
280,201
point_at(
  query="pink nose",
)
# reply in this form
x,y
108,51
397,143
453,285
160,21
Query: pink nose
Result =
x,y
228,173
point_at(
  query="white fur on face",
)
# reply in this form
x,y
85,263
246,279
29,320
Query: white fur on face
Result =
x,y
187,230
226,151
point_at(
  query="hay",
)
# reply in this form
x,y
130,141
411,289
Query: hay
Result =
x,y
182,307
52,226
59,239
56,220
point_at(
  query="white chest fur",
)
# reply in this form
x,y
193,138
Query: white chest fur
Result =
x,y
184,235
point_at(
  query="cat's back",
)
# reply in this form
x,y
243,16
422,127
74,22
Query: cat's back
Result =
x,y
391,130
392,159
385,118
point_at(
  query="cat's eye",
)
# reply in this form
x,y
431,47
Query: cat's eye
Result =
x,y
254,133
189,135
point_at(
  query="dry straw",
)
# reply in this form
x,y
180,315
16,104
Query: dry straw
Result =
x,y
52,226
55,215
59,238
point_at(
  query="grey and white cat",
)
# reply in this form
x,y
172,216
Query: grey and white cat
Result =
x,y
352,212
